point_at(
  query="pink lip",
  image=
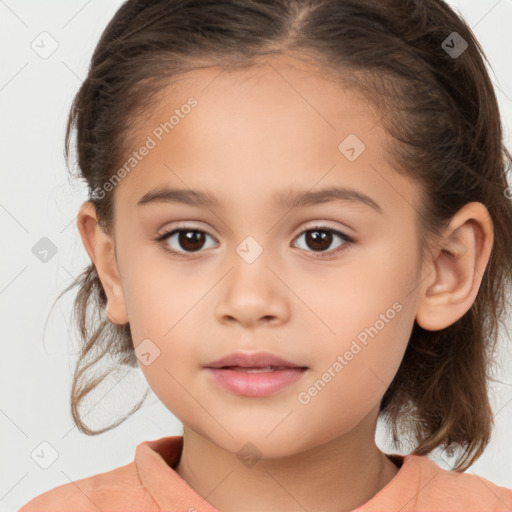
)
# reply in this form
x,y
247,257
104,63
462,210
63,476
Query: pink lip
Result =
x,y
251,360
229,373
255,384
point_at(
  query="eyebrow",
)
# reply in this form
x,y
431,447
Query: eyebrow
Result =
x,y
292,199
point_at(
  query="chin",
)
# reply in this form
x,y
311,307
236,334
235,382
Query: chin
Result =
x,y
251,445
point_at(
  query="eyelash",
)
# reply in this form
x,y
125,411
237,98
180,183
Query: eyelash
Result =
x,y
162,240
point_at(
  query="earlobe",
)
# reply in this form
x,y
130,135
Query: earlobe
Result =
x,y
459,264
100,248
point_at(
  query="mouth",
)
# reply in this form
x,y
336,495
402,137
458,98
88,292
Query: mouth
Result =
x,y
254,375
264,361
265,369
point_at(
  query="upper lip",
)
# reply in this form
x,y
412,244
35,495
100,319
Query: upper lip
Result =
x,y
251,360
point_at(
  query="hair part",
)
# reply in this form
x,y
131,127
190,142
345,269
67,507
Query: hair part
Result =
x,y
441,113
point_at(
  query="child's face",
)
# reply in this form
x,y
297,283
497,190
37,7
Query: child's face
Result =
x,y
252,136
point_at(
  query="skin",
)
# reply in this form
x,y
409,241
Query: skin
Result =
x,y
254,133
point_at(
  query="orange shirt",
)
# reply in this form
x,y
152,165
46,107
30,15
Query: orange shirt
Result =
x,y
149,483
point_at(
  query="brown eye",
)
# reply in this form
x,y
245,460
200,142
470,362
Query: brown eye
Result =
x,y
319,240
185,240
191,240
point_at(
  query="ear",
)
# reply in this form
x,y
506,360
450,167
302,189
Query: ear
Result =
x,y
459,263
101,250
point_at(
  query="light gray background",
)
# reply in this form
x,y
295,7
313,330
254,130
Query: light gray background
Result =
x,y
37,200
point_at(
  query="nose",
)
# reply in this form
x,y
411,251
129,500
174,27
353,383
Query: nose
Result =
x,y
252,294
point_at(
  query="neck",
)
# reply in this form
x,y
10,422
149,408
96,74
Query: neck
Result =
x,y
340,474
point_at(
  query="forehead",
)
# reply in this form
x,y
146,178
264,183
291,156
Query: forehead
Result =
x,y
262,129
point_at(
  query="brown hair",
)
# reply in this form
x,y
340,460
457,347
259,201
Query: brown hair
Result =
x,y
440,109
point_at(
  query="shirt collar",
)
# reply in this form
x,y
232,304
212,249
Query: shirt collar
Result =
x,y
155,462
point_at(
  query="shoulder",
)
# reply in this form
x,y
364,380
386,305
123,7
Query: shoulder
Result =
x,y
450,490
119,489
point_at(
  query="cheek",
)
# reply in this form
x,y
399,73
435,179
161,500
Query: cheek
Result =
x,y
160,295
352,380
165,306
370,295
359,367
174,357
370,318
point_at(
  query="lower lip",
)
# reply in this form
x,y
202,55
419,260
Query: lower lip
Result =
x,y
255,384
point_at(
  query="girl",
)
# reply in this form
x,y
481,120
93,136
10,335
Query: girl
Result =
x,y
341,168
